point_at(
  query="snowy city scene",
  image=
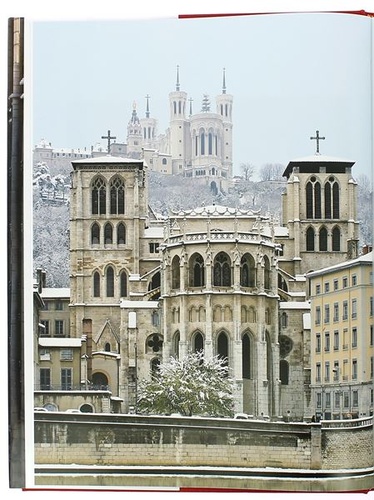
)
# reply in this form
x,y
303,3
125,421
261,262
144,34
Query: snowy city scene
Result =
x,y
201,199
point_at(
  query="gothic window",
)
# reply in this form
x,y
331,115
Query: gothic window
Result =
x,y
117,196
155,366
108,233
247,271
222,270
98,196
175,272
331,199
323,239
121,234
266,273
310,239
110,282
246,356
269,358
285,345
96,284
95,234
313,199
223,347
176,340
123,284
284,320
336,239
243,314
154,342
198,342
107,347
283,372
197,273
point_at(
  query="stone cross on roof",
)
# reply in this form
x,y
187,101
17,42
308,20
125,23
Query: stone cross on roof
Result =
x,y
317,138
109,137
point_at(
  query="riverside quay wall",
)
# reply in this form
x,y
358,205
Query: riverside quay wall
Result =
x,y
134,440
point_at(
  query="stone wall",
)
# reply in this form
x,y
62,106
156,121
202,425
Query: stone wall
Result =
x,y
134,440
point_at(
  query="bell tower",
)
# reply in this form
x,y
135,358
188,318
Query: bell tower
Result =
x,y
320,211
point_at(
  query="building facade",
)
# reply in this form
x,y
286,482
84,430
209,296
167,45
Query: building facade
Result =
x,y
342,349
229,281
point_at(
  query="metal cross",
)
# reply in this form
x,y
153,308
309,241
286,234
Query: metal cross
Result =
x,y
108,137
318,138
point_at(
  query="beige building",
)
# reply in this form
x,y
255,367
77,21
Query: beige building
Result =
x,y
342,337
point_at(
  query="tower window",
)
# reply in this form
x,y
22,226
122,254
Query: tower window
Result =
x,y
96,284
336,239
310,239
117,196
121,234
110,282
323,239
98,197
222,270
95,234
108,234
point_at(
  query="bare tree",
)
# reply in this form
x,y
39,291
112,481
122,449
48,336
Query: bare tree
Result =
x,y
271,172
247,170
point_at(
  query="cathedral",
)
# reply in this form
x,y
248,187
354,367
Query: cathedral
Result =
x,y
229,281
197,145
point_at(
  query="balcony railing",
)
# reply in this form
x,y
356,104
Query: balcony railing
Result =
x,y
73,387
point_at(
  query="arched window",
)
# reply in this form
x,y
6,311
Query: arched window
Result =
x,y
164,161
117,196
323,239
175,107
284,320
246,356
332,199
313,199
107,347
176,340
98,196
121,234
266,273
155,366
108,233
197,273
223,347
222,270
210,143
336,239
283,372
175,272
310,239
95,234
247,271
110,282
198,342
123,284
202,142
96,284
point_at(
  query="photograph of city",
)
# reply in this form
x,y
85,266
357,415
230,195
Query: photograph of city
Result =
x,y
202,268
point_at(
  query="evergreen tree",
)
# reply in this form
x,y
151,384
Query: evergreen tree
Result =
x,y
193,385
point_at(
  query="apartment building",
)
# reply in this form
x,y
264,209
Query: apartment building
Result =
x,y
342,338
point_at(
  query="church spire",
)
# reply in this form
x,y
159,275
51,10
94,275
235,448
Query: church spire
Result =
x,y
177,87
224,82
147,110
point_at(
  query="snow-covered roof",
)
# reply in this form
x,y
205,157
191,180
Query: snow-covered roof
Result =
x,y
318,158
56,293
106,159
154,232
361,259
218,210
307,321
294,305
59,342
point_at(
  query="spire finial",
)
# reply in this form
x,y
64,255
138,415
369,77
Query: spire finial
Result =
x,y
177,86
224,81
147,110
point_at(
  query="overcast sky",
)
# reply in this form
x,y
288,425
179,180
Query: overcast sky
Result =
x,y
289,74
